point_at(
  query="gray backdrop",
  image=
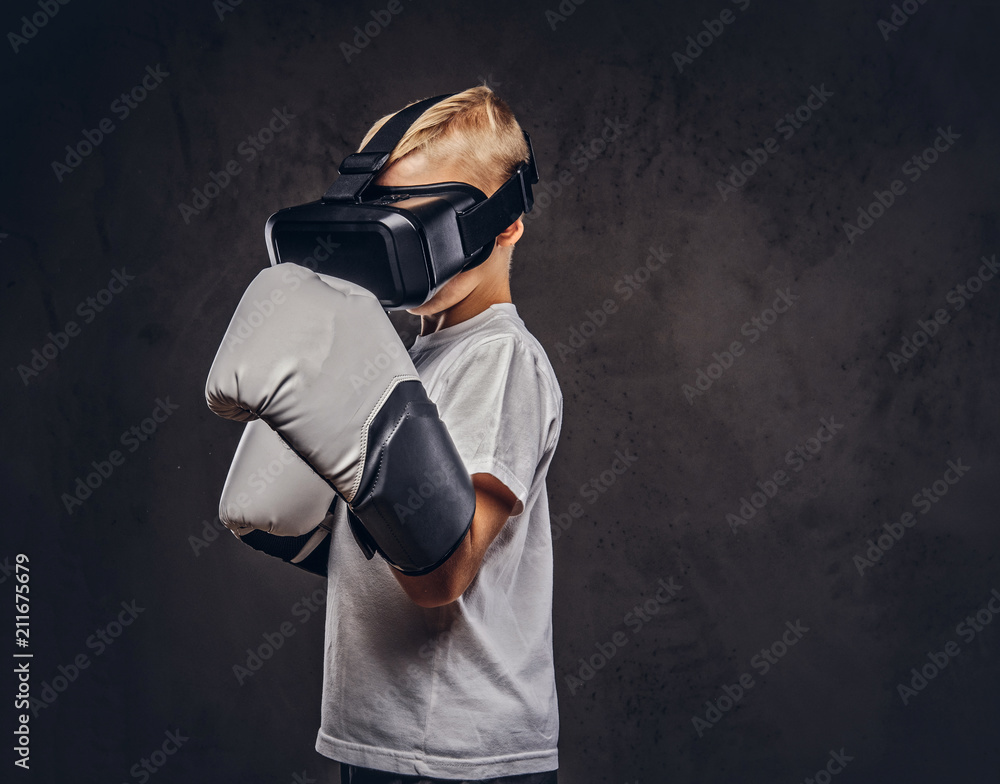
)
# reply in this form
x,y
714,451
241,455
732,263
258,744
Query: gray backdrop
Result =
x,y
714,619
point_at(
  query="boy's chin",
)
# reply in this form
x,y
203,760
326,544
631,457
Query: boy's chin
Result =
x,y
449,296
429,308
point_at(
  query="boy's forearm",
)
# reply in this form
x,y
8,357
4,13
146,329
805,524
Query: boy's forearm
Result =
x,y
494,503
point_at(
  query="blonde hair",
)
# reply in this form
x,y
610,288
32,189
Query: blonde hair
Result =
x,y
474,129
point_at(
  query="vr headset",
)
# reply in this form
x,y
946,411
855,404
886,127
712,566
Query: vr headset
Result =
x,y
404,243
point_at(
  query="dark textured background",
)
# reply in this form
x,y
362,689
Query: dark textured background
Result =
x,y
654,185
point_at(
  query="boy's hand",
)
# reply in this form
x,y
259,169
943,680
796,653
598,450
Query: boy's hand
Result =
x,y
494,503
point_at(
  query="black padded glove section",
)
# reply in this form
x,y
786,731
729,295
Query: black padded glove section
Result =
x,y
287,547
416,500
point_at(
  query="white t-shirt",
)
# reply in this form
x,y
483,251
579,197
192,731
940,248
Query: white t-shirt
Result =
x,y
466,690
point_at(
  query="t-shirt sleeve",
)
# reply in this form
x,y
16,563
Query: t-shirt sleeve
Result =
x,y
500,411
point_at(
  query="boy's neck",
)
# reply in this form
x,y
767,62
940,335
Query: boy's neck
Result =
x,y
477,301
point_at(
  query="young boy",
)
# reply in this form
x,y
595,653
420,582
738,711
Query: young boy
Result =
x,y
449,676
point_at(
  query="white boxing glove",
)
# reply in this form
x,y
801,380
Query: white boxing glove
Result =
x,y
275,502
319,361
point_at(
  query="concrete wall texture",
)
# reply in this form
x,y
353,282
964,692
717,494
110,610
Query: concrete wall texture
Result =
x,y
764,263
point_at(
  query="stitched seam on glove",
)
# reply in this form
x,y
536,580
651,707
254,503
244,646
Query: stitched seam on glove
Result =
x,y
374,483
396,380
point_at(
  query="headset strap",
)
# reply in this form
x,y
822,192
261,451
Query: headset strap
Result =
x,y
357,170
478,225
482,223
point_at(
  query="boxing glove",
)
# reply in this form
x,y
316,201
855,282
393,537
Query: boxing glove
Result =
x,y
274,501
319,361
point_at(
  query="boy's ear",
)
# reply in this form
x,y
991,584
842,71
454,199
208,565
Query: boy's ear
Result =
x,y
511,234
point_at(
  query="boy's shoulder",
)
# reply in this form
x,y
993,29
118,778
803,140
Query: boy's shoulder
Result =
x,y
505,326
493,339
